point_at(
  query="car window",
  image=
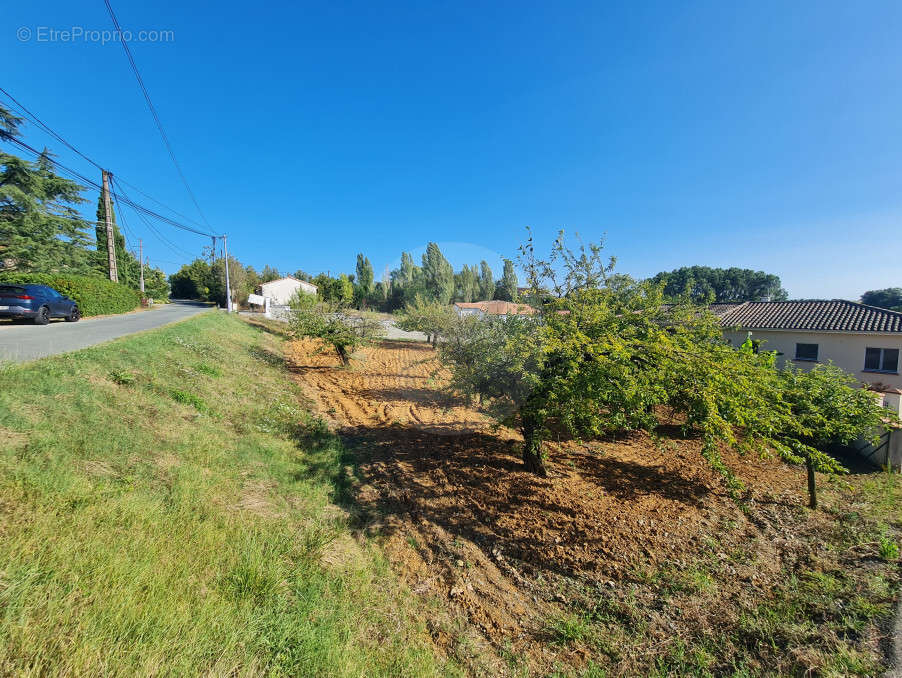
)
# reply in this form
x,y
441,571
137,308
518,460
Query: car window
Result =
x,y
11,289
52,293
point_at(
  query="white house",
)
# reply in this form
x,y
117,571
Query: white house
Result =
x,y
863,340
279,292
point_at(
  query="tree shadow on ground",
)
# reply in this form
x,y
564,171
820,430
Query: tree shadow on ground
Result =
x,y
270,327
474,487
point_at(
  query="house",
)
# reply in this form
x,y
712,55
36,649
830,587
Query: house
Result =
x,y
863,340
496,308
279,292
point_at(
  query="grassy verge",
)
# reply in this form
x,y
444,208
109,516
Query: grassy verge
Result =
x,y
166,508
790,597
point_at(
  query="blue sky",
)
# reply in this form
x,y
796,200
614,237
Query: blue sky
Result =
x,y
765,135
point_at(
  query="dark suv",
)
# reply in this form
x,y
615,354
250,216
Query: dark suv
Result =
x,y
38,302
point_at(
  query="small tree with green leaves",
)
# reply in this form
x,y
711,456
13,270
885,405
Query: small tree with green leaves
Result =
x,y
344,334
830,408
605,354
432,318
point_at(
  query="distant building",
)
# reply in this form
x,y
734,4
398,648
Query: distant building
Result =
x,y
279,292
496,308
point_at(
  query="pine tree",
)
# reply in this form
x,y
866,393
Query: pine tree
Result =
x,y
39,228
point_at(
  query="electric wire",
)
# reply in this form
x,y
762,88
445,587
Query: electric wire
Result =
x,y
153,112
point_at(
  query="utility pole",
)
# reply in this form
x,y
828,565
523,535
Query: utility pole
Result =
x,y
225,253
110,241
141,262
213,251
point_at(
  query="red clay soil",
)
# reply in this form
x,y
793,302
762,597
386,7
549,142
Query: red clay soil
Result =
x,y
463,521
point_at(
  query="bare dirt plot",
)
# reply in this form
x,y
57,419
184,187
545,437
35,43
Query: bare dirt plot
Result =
x,y
512,552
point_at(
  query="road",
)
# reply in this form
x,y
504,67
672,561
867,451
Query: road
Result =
x,y
391,330
21,343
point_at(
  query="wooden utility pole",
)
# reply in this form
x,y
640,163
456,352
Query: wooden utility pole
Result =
x,y
225,254
110,241
141,262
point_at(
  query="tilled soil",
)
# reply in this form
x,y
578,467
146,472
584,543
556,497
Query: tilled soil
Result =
x,y
463,522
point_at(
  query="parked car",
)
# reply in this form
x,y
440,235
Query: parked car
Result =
x,y
40,303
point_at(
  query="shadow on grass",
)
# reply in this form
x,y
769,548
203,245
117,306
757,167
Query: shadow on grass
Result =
x,y
273,327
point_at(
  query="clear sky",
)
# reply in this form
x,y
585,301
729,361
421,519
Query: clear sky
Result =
x,y
765,135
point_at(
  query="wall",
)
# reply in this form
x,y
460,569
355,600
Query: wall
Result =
x,y
281,291
845,349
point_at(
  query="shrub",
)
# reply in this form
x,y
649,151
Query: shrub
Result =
x,y
94,295
889,550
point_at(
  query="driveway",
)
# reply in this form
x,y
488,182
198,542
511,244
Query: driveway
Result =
x,y
20,343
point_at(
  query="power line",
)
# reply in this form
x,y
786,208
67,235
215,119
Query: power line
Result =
x,y
40,123
172,246
153,111
46,128
90,182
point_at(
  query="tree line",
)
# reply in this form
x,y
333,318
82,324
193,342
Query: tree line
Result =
x,y
41,230
433,280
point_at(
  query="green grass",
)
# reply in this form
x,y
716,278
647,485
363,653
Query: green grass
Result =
x,y
818,605
159,515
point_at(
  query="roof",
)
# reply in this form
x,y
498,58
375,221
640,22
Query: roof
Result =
x,y
498,307
836,315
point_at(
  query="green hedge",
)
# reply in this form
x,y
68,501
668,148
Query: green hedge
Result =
x,y
95,295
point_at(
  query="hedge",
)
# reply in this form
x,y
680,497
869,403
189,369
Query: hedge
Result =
x,y
95,295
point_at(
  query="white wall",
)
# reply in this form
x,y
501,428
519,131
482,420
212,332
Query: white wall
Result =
x,y
845,349
281,291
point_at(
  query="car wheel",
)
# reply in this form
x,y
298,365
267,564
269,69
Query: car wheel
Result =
x,y
43,316
74,315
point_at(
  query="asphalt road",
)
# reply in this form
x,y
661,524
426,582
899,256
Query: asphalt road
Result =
x,y
21,343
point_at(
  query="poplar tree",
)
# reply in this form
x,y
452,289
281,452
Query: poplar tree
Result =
x,y
365,273
506,289
438,275
486,282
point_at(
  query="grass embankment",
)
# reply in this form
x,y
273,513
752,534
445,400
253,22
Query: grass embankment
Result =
x,y
166,508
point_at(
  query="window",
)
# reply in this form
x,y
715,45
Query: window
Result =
x,y
806,352
881,360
